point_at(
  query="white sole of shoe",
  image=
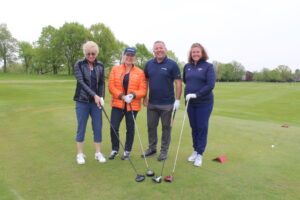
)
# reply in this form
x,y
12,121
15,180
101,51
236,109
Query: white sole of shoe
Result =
x,y
191,160
102,161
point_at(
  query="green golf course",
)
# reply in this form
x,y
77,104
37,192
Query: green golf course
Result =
x,y
38,152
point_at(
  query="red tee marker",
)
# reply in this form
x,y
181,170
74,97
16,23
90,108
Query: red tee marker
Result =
x,y
285,126
220,159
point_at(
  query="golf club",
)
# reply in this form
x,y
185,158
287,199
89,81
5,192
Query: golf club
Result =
x,y
149,172
171,177
139,177
158,178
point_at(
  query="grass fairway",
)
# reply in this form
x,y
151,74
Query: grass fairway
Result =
x,y
37,147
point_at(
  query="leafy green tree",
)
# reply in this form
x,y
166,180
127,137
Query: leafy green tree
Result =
x,y
142,55
274,76
70,38
108,45
227,74
257,76
267,75
297,75
238,70
26,53
285,73
51,55
218,69
172,55
233,71
8,46
121,47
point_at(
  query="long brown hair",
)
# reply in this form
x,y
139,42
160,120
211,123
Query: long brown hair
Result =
x,y
204,54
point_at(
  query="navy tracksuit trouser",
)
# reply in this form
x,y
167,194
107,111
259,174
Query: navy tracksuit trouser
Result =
x,y
199,118
117,115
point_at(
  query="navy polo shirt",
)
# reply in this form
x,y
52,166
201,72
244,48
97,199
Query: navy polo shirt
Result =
x,y
199,79
161,78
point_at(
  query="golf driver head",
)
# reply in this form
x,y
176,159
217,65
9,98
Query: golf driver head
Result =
x,y
168,178
157,179
139,178
150,173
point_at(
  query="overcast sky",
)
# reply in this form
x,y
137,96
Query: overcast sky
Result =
x,y
256,33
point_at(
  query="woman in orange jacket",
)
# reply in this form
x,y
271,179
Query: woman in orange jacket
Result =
x,y
127,85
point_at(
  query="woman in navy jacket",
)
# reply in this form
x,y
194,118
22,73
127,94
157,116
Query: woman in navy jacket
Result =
x,y
89,95
199,78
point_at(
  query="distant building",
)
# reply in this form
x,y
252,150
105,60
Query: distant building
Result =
x,y
248,76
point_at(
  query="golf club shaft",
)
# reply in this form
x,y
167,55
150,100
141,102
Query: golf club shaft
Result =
x,y
187,104
171,124
138,132
118,138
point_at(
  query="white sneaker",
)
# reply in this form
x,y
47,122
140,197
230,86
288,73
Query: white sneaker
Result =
x,y
198,160
99,156
80,159
193,156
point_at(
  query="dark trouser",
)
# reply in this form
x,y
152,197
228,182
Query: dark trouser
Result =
x,y
83,111
153,115
199,118
117,115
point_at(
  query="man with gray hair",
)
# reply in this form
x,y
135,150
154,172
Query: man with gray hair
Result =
x,y
161,73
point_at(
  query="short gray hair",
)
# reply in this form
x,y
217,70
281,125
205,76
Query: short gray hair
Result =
x,y
90,45
159,41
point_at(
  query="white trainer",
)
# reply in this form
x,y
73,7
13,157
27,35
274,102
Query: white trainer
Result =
x,y
80,159
198,160
193,157
99,156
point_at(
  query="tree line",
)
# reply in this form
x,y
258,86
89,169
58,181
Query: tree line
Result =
x,y
57,50
235,71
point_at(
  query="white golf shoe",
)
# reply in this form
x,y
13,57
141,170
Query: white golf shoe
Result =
x,y
193,157
99,156
198,160
80,159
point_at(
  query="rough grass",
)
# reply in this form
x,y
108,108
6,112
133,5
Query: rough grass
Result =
x,y
37,147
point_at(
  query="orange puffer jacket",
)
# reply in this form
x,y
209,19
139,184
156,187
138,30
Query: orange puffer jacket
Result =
x,y
137,85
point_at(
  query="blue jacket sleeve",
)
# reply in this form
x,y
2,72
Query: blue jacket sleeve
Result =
x,y
79,77
102,83
183,75
210,84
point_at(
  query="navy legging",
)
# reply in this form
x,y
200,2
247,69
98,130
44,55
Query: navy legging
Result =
x,y
199,118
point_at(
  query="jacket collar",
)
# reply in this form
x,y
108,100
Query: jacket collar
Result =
x,y
201,61
86,61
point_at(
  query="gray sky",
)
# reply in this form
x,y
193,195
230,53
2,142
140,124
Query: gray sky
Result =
x,y
256,33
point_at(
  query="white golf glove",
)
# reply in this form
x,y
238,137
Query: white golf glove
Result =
x,y
190,96
128,98
176,104
101,101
